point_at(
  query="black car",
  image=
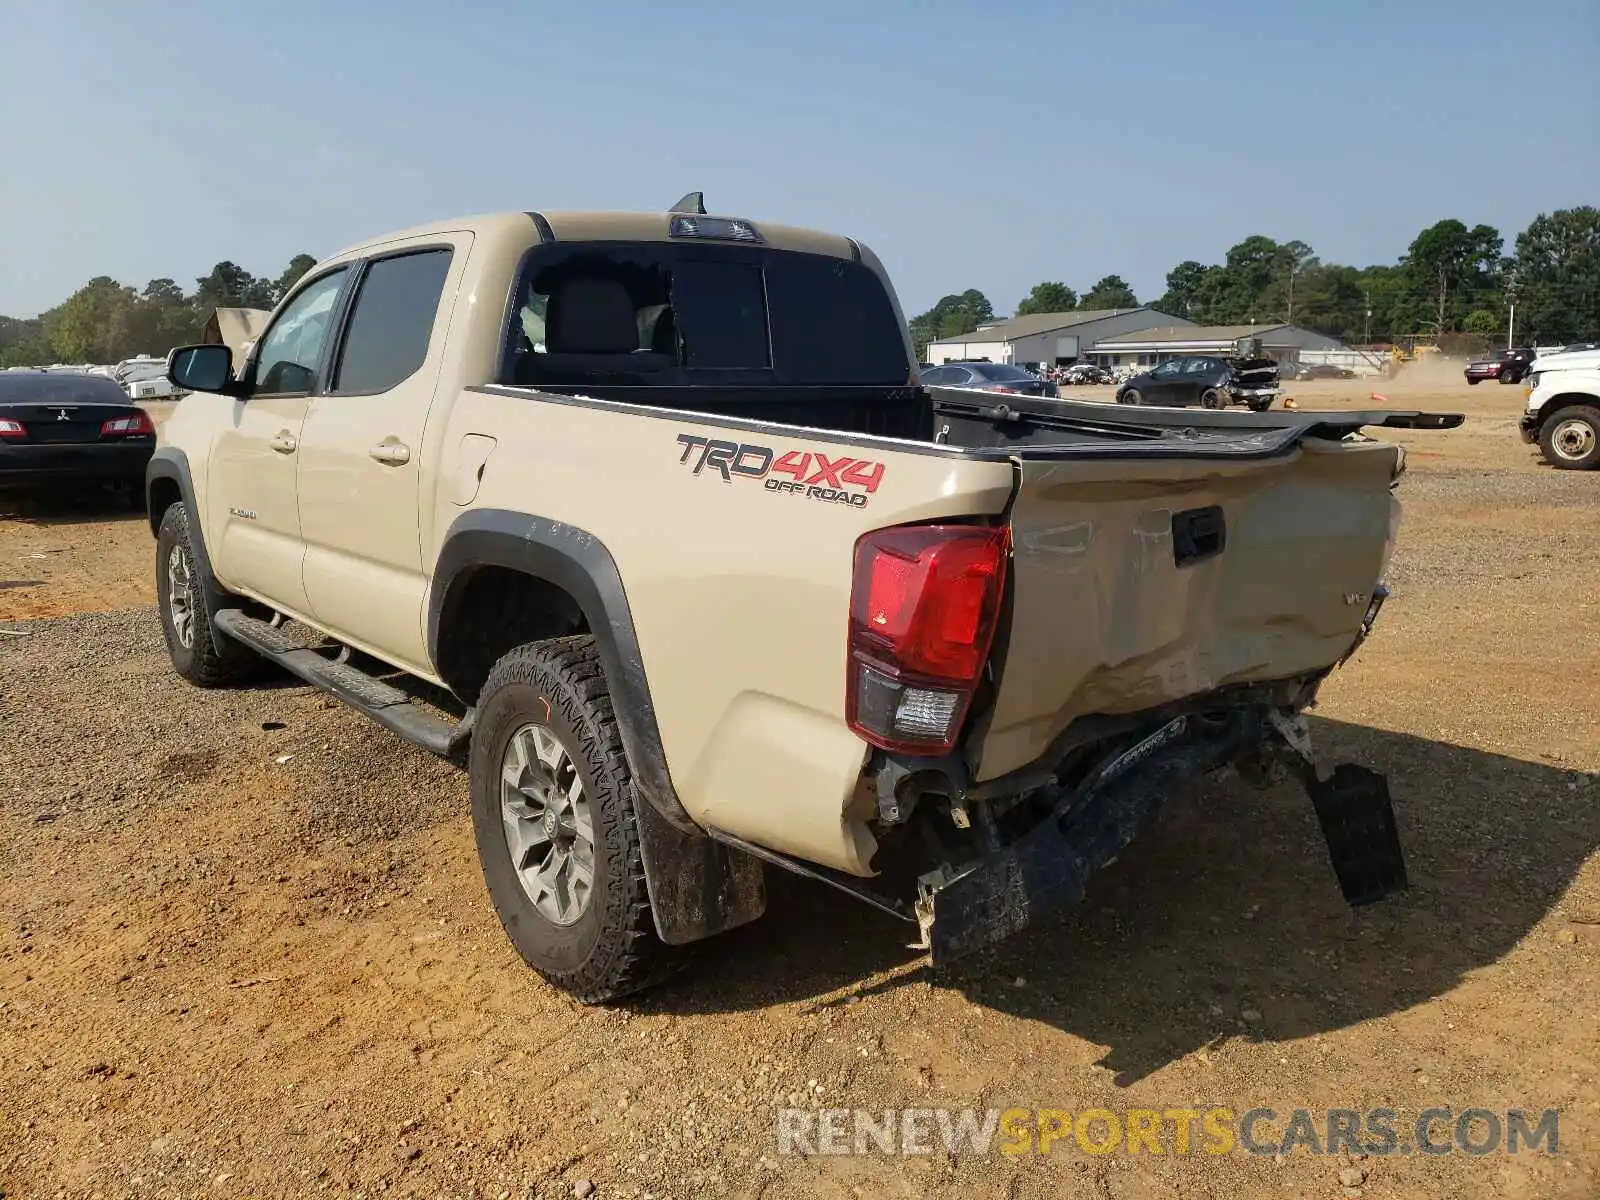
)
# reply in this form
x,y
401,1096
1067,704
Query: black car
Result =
x,y
1508,366
989,377
1207,381
1323,371
58,428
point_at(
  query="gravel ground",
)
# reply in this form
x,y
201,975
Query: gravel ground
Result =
x,y
245,950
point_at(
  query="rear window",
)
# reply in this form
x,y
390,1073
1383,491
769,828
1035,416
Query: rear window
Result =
x,y
58,387
700,315
997,373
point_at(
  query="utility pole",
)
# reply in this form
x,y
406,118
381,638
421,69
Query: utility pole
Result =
x,y
1511,321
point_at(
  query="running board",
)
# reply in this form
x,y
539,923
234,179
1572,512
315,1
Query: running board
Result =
x,y
388,706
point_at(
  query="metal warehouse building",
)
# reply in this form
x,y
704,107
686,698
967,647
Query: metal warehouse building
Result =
x,y
1048,339
1147,346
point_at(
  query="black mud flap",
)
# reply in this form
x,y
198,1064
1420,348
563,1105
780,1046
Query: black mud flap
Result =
x,y
1357,818
698,887
1049,867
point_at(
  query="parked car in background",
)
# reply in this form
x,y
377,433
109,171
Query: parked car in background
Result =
x,y
65,428
1562,416
1508,366
988,377
1207,381
1087,373
1323,371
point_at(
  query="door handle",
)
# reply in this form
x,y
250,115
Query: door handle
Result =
x,y
284,443
392,454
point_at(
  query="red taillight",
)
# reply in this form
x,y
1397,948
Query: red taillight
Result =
x,y
1010,391
138,425
923,609
11,429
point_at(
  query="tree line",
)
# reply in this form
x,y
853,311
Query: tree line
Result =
x,y
105,321
1452,279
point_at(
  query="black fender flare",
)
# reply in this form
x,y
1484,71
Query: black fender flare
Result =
x,y
171,465
697,886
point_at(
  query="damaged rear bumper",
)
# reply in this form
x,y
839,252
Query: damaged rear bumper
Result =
x,y
1050,866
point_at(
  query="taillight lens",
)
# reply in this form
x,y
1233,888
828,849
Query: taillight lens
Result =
x,y
138,425
11,429
923,609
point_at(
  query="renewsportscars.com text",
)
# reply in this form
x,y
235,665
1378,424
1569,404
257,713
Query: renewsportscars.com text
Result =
x,y
1015,1132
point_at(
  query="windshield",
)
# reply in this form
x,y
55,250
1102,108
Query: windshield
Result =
x,y
677,314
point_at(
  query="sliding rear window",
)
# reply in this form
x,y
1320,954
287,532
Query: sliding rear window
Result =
x,y
678,315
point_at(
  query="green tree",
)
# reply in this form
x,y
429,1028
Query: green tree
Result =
x,y
1048,298
94,322
1110,292
951,317
298,266
1452,269
230,286
1184,284
1481,322
1556,276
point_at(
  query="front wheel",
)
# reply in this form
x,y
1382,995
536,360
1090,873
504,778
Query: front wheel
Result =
x,y
1570,439
1129,396
185,614
1507,375
1472,382
552,814
1213,398
1260,403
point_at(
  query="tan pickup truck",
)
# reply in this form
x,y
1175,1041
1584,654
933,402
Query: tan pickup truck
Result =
x,y
705,582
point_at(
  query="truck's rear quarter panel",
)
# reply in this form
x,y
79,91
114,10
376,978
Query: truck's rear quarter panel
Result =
x,y
739,591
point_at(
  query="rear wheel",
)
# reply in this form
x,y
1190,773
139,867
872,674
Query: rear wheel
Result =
x,y
1213,398
185,616
1570,439
552,813
1129,396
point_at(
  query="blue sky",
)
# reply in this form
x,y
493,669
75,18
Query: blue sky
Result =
x,y
972,145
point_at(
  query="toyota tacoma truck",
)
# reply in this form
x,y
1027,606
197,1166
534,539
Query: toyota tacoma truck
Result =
x,y
647,520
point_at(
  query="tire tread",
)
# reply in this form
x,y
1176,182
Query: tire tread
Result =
x,y
631,956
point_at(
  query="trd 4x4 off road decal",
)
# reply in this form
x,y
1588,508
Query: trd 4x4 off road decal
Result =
x,y
809,473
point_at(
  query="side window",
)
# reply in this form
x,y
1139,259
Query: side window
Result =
x,y
391,322
288,354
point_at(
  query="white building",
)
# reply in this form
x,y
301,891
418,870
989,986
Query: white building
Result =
x,y
1047,339
1148,346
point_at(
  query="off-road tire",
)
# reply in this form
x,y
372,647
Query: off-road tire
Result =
x,y
1551,443
1129,396
612,948
1213,398
200,662
1507,375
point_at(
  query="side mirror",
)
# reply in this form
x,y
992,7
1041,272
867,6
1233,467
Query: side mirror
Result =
x,y
202,369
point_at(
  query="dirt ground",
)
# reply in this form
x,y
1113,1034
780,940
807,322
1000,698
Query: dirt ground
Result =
x,y
245,949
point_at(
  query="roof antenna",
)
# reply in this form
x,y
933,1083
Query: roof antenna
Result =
x,y
694,202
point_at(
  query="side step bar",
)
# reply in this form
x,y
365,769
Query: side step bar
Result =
x,y
388,706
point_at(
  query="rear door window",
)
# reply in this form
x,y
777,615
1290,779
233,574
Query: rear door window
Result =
x,y
391,323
